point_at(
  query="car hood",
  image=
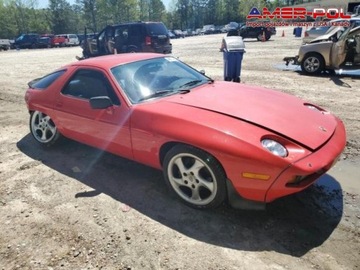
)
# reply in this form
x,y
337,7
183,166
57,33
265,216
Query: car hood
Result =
x,y
275,111
327,35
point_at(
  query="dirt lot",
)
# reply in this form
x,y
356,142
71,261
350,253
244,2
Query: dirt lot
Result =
x,y
74,207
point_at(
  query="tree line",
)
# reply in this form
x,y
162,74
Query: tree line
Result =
x,y
24,16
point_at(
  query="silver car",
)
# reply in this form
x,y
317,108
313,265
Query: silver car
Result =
x,y
338,49
322,28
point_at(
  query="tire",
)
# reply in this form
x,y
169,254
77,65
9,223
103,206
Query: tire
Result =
x,y
195,177
43,129
312,64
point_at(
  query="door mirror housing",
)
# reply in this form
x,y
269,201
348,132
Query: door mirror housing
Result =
x,y
101,102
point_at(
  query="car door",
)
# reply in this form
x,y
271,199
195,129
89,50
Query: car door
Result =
x,y
338,49
246,31
103,128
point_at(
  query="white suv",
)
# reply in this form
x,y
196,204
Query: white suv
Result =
x,y
71,39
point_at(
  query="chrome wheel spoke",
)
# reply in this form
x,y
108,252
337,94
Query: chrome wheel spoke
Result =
x,y
179,163
177,181
51,128
208,185
195,196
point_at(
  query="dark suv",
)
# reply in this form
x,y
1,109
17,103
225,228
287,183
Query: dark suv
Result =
x,y
261,33
128,37
26,41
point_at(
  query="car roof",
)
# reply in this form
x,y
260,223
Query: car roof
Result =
x,y
110,61
355,29
134,23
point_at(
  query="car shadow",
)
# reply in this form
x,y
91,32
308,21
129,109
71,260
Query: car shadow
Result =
x,y
335,78
291,225
250,40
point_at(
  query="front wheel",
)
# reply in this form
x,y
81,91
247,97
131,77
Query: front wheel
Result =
x,y
43,128
195,176
312,64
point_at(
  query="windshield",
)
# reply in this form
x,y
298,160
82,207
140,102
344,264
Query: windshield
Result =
x,y
344,33
155,78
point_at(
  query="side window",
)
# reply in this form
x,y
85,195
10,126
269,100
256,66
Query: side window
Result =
x,y
136,34
46,81
87,83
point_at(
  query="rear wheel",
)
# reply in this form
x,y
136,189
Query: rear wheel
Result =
x,y
312,63
195,176
43,128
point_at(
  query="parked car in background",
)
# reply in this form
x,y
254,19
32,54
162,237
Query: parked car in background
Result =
x,y
155,109
4,44
178,33
26,41
171,34
70,39
321,28
58,41
208,29
260,33
55,41
44,42
129,37
339,48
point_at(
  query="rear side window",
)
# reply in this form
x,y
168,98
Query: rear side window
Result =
x,y
156,29
46,81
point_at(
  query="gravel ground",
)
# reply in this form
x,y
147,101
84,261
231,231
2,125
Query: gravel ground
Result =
x,y
74,207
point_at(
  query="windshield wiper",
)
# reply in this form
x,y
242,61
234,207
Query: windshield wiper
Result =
x,y
156,94
182,91
165,93
190,83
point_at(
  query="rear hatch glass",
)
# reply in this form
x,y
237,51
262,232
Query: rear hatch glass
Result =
x,y
158,32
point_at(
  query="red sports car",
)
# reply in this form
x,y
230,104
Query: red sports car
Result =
x,y
215,141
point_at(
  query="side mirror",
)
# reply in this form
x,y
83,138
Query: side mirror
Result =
x,y
101,102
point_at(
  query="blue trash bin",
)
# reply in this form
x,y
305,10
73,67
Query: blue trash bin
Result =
x,y
233,49
298,31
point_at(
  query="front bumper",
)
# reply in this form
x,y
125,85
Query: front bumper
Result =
x,y
294,60
307,170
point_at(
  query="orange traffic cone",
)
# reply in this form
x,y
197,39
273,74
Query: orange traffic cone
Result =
x,y
263,37
283,34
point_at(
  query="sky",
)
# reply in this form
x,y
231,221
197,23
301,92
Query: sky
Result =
x,y
45,3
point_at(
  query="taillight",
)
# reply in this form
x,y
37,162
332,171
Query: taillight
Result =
x,y
148,40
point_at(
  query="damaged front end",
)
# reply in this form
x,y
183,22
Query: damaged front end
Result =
x,y
289,59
